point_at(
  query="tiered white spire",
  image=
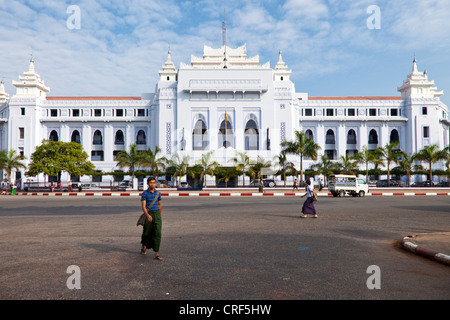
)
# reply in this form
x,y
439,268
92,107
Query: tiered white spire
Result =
x,y
281,72
232,58
168,72
30,84
417,85
4,97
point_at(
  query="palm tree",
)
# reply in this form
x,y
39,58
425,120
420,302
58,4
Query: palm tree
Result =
x,y
227,174
180,164
406,164
431,154
150,160
366,156
283,164
347,164
131,159
447,160
390,153
325,166
302,146
3,156
11,160
207,165
256,168
242,164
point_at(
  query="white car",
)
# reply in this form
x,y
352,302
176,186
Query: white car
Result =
x,y
340,185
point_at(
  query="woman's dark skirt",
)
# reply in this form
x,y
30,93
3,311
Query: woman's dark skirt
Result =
x,y
308,207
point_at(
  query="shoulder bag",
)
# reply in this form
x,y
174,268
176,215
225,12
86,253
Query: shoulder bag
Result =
x,y
141,220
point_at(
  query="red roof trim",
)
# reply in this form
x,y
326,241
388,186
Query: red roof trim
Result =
x,y
94,98
354,98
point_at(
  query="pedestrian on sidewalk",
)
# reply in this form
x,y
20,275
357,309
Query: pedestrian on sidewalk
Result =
x,y
308,206
295,184
151,206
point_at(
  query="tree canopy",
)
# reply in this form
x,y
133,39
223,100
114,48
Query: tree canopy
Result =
x,y
52,157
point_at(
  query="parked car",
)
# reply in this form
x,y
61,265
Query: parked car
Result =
x,y
90,186
270,183
423,184
185,185
341,184
383,183
125,184
442,184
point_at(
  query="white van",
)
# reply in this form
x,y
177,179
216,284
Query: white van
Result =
x,y
341,184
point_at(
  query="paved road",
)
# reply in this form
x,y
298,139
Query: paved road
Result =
x,y
221,248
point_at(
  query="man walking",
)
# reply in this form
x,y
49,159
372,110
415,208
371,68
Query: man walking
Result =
x,y
151,206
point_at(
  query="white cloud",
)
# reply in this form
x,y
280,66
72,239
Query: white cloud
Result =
x,y
122,44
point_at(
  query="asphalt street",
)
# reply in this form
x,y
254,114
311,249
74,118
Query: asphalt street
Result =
x,y
221,248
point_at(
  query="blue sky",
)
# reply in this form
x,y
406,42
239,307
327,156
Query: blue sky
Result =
x,y
121,45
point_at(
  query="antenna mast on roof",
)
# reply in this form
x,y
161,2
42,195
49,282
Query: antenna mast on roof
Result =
x,y
224,41
224,30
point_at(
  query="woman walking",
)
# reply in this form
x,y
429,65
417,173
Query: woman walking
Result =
x,y
308,206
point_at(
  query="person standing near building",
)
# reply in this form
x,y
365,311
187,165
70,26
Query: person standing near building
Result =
x,y
308,206
295,184
151,206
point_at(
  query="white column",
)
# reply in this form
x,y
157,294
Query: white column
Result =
x,y
108,143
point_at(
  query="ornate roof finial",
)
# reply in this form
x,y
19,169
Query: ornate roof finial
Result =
x,y
31,68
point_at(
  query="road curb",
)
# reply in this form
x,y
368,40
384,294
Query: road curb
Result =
x,y
220,194
410,246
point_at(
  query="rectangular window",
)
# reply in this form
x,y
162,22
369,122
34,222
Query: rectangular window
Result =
x,y
21,133
119,113
115,153
394,112
97,112
22,111
53,112
76,112
330,112
308,112
141,112
373,112
424,110
426,132
96,155
351,112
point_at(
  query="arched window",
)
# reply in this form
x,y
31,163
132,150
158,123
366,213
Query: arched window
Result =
x,y
309,134
251,136
76,136
97,140
199,136
140,138
330,138
351,137
119,138
373,137
53,136
226,135
394,136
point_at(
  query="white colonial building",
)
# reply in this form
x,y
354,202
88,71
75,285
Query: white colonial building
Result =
x,y
186,114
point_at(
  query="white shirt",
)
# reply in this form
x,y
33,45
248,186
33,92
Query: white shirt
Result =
x,y
309,191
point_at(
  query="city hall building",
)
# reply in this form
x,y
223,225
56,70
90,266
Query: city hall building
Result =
x,y
223,102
